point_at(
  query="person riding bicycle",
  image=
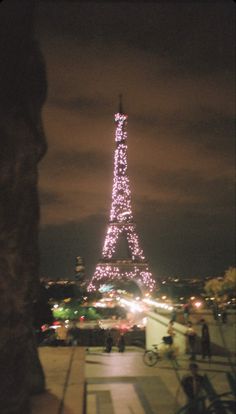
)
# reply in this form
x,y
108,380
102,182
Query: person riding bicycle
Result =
x,y
169,340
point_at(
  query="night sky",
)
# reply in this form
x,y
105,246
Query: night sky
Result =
x,y
174,65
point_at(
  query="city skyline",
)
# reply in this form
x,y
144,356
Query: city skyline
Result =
x,y
174,65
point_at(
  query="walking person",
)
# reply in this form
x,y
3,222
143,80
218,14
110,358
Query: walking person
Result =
x,y
186,312
62,335
193,386
215,311
73,335
223,314
171,333
109,343
173,314
121,343
191,340
205,340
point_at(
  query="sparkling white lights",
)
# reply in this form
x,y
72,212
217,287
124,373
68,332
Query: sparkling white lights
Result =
x,y
121,222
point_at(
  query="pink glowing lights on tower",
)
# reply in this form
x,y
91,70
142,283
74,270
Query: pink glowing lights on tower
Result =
x,y
121,222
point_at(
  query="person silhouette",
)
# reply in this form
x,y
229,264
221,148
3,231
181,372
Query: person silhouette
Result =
x,y
205,340
109,343
191,338
193,387
121,343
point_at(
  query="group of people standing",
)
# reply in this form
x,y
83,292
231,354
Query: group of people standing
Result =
x,y
191,337
120,343
193,384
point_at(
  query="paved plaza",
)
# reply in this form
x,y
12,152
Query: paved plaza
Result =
x,y
90,381
122,384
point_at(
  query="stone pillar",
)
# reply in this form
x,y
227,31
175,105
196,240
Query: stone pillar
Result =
x,y
22,144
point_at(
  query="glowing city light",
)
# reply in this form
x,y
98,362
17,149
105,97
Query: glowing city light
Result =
x,y
100,305
156,304
198,304
132,305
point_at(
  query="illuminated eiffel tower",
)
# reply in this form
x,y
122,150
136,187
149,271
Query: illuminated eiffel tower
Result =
x,y
121,224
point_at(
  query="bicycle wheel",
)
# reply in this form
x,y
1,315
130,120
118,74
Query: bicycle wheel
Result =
x,y
150,358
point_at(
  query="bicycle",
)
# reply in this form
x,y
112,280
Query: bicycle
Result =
x,y
227,405
152,356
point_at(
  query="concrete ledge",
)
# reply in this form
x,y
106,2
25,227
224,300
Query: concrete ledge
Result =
x,y
64,369
223,339
157,328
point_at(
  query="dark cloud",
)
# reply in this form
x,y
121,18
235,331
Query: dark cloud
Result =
x,y
80,162
195,35
179,242
82,104
186,239
174,64
220,127
49,198
211,130
189,183
191,193
62,243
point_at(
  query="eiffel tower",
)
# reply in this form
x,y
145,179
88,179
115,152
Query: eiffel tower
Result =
x,y
121,224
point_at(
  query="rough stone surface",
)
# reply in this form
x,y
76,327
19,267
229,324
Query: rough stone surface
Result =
x,y
22,145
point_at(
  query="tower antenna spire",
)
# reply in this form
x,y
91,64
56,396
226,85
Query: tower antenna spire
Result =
x,y
120,104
